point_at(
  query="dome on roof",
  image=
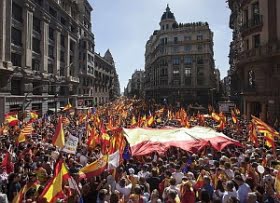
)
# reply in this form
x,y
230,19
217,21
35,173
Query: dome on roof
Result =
x,y
167,14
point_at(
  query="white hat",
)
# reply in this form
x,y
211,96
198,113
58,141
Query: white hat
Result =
x,y
131,171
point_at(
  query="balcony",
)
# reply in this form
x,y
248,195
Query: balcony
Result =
x,y
265,51
252,25
73,79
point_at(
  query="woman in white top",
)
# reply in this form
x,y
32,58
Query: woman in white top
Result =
x,y
230,192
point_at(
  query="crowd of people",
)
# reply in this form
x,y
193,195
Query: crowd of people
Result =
x,y
247,174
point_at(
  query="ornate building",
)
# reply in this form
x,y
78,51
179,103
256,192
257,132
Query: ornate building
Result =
x,y
255,57
135,86
47,55
179,62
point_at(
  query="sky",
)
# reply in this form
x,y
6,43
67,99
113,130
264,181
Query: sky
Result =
x,y
124,26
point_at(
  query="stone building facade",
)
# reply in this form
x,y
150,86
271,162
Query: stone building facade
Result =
x,y
46,54
135,86
255,57
179,64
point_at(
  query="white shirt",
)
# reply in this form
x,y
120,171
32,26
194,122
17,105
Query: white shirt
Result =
x,y
227,195
178,177
124,190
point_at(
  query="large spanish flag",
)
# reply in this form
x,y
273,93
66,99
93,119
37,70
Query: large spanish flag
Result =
x,y
146,141
95,168
59,137
54,188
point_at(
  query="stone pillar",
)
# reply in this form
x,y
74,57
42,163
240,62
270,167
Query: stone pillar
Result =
x,y
76,60
57,49
29,8
67,58
5,33
45,43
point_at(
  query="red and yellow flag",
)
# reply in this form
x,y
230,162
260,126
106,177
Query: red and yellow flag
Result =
x,y
150,121
67,106
59,137
234,117
20,195
27,130
95,168
34,115
54,188
11,119
253,135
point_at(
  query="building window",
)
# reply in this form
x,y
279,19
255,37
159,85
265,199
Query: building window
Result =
x,y
35,65
167,26
199,37
188,72
36,24
188,60
62,40
16,37
175,40
187,38
175,49
62,56
176,61
39,2
50,68
51,51
188,48
63,21
16,59
199,60
200,80
200,47
51,33
17,12
247,44
255,9
257,41
36,45
52,12
61,71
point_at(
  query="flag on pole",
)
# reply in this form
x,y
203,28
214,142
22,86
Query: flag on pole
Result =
x,y
27,130
54,188
95,168
59,137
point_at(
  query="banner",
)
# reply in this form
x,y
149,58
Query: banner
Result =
x,y
71,144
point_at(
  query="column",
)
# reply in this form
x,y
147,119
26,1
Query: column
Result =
x,y
57,49
67,58
29,8
5,33
45,42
